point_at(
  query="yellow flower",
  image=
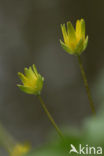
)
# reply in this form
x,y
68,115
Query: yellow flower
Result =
x,y
75,41
20,150
32,81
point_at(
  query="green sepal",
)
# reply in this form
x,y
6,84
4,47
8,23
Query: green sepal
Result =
x,y
39,84
25,89
66,48
79,47
35,70
83,28
85,43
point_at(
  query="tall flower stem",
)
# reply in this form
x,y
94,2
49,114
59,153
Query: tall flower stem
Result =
x,y
86,86
49,116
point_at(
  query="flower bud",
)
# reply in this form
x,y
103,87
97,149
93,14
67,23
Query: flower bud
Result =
x,y
75,41
32,81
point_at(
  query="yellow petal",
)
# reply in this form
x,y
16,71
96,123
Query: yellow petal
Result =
x,y
35,70
65,35
22,77
71,32
32,74
27,72
80,29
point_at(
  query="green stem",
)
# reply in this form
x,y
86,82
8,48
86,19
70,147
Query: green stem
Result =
x,y
86,86
49,116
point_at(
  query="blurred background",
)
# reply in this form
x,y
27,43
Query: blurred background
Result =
x,y
29,34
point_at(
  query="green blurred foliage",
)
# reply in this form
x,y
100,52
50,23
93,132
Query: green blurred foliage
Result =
x,y
92,134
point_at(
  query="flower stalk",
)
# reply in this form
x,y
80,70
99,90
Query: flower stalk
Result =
x,y
49,116
86,86
32,83
75,42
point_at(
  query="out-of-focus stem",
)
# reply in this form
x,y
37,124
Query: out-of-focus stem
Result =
x,y
86,86
6,140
